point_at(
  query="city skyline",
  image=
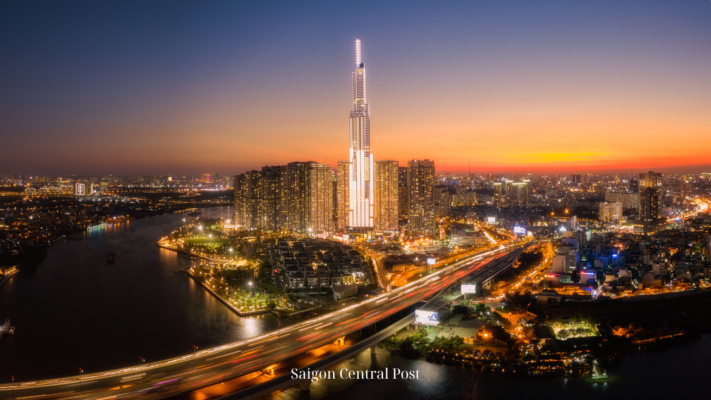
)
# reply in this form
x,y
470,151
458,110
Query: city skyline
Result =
x,y
548,88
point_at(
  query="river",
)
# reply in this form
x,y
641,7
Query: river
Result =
x,y
75,310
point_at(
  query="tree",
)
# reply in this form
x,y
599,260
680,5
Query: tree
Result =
x,y
460,309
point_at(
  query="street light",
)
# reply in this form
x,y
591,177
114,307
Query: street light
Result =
x,y
81,371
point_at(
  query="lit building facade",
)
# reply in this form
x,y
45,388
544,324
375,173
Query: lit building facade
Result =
x,y
320,199
650,199
403,205
343,209
420,187
386,195
273,215
610,211
361,160
297,175
651,180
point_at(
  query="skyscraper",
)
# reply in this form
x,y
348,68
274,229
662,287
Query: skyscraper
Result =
x,y
650,180
297,179
403,205
273,201
386,195
253,199
320,199
342,195
650,196
420,187
361,160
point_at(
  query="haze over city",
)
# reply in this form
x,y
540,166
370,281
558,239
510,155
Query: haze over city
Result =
x,y
514,86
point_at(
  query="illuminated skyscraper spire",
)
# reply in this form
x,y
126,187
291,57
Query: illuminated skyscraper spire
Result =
x,y
357,52
360,175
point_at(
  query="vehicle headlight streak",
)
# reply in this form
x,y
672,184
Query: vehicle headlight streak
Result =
x,y
422,282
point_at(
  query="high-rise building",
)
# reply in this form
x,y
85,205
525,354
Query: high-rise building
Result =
x,y
420,187
79,189
273,214
205,178
361,160
320,199
650,180
634,185
239,184
569,260
610,211
443,202
575,179
297,175
499,191
517,193
386,216
649,207
252,199
343,198
298,197
403,205
628,200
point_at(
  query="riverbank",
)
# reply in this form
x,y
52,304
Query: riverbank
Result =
x,y
223,301
187,253
138,297
8,276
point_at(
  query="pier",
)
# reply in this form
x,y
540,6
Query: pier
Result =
x,y
7,329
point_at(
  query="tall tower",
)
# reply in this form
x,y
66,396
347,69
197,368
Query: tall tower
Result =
x,y
360,174
386,195
420,188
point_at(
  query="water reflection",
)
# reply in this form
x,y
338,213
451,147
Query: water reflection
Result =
x,y
75,309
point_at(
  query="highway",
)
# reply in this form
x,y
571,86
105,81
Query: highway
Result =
x,y
210,366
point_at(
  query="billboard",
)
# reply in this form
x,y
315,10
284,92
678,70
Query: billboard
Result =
x,y
468,288
491,220
519,230
426,317
431,261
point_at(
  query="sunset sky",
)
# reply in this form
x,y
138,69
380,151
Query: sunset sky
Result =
x,y
181,87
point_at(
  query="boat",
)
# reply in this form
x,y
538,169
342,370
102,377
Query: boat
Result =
x,y
112,257
597,376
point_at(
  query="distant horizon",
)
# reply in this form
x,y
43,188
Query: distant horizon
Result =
x,y
681,170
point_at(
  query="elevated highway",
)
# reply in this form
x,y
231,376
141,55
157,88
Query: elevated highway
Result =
x,y
207,367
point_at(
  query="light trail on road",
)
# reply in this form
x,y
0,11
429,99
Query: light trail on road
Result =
x,y
206,367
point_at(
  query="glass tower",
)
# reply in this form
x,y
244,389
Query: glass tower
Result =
x,y
360,174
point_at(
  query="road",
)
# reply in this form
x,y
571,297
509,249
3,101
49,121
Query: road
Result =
x,y
207,367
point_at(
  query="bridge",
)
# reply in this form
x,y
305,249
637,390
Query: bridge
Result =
x,y
487,275
218,364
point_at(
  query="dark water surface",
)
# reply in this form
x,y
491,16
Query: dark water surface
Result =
x,y
679,371
76,310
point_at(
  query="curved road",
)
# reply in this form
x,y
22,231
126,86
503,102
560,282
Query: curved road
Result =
x,y
207,367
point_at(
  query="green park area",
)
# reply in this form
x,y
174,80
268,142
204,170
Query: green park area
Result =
x,y
208,241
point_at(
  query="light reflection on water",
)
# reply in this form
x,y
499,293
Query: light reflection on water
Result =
x,y
661,373
76,310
